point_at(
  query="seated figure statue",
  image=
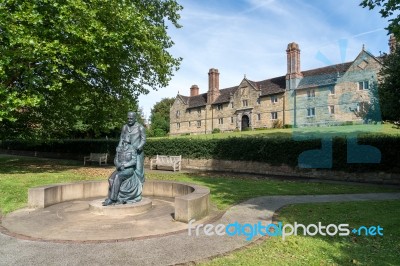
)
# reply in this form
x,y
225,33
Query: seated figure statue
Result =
x,y
124,184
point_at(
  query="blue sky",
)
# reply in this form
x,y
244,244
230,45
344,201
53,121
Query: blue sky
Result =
x,y
250,37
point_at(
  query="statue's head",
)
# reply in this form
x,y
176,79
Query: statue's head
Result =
x,y
131,118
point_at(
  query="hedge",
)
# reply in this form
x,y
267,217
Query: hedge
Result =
x,y
275,151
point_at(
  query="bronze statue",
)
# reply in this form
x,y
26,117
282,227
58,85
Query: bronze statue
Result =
x,y
126,183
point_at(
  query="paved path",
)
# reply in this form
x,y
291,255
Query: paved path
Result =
x,y
167,250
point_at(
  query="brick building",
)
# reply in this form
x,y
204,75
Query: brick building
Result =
x,y
324,96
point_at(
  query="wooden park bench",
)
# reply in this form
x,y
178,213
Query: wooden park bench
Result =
x,y
164,160
96,157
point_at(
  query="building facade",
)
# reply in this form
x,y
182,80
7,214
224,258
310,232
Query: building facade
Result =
x,y
325,96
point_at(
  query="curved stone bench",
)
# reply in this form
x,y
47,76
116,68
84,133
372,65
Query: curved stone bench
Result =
x,y
191,201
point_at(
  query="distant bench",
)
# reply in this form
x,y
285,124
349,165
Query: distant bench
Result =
x,y
164,160
96,157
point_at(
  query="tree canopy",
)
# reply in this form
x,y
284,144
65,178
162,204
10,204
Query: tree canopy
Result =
x,y
160,117
79,65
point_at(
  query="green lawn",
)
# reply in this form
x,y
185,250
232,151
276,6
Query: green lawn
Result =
x,y
311,132
328,250
17,174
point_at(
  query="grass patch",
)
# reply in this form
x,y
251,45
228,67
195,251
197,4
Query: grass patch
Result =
x,y
18,174
326,250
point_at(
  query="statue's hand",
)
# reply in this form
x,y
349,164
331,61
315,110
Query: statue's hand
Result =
x,y
122,167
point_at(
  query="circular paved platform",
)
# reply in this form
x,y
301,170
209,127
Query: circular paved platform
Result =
x,y
87,220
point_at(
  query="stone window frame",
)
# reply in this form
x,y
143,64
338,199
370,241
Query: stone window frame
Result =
x,y
220,107
258,100
311,112
274,99
178,125
258,117
190,124
220,121
274,115
331,109
311,93
245,103
332,91
232,120
178,113
363,85
232,105
198,123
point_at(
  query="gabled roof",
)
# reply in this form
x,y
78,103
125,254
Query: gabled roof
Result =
x,y
198,100
323,76
271,86
184,99
225,95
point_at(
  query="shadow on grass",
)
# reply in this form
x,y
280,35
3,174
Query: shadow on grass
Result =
x,y
22,165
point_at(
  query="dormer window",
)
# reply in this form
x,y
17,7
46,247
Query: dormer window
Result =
x,y
219,107
310,93
274,99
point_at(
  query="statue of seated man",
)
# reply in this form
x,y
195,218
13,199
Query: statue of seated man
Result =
x,y
124,185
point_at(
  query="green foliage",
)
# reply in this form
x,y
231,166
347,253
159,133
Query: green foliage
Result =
x,y
78,66
389,87
274,151
160,115
216,130
388,8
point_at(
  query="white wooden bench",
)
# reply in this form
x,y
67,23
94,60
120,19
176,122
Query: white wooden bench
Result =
x,y
164,160
96,157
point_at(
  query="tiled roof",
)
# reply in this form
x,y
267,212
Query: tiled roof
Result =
x,y
322,76
198,100
271,86
225,95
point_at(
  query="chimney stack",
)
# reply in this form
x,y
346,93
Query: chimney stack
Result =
x,y
293,61
194,90
213,85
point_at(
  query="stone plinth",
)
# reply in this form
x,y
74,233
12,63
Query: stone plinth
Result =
x,y
122,209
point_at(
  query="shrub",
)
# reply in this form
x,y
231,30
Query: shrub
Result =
x,y
216,130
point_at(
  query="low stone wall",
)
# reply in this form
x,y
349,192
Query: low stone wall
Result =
x,y
284,170
191,201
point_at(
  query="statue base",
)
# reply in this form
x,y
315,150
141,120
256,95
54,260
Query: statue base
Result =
x,y
120,209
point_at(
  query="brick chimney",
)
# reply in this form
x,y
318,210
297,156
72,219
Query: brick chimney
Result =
x,y
294,74
194,90
213,85
392,43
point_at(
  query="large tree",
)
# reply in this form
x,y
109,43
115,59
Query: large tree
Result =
x,y
79,65
389,83
160,117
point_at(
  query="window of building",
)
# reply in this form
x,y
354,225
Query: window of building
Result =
x,y
219,107
274,115
274,99
189,111
178,113
332,90
258,101
245,103
259,117
363,85
199,111
178,125
190,123
331,109
311,112
232,119
199,123
310,93
231,104
220,121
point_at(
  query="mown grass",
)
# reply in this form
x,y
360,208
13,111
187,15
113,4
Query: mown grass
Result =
x,y
328,250
309,132
18,174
